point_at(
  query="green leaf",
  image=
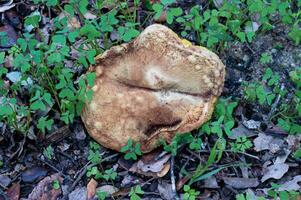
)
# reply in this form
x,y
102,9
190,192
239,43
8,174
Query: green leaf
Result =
x,y
83,4
241,36
3,70
56,184
67,93
90,31
55,57
90,56
91,78
23,43
295,34
38,105
51,2
69,9
60,39
165,2
6,110
228,126
33,19
158,8
43,124
2,56
173,12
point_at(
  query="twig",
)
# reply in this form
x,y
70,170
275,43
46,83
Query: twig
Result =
x,y
172,178
275,104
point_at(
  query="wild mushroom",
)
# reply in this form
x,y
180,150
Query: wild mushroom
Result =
x,y
152,88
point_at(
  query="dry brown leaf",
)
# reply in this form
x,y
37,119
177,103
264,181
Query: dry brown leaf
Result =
x,y
44,189
91,189
13,193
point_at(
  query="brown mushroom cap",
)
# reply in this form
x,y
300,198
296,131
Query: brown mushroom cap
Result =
x,y
151,89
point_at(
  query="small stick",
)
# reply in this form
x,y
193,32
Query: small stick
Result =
x,y
274,106
172,177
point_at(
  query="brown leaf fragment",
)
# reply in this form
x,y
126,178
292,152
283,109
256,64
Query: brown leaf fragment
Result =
x,y
13,193
241,183
45,191
91,189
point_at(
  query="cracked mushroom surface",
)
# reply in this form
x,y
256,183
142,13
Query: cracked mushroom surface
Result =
x,y
152,88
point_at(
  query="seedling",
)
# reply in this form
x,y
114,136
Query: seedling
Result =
x,y
94,154
131,150
136,192
109,174
101,195
94,172
265,58
241,144
48,152
190,194
56,184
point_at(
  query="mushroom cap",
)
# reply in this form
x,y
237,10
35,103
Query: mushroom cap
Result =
x,y
152,88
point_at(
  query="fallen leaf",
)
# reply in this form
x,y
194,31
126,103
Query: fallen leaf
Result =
x,y
15,76
291,185
241,183
165,191
91,189
150,165
275,130
11,35
78,194
33,174
109,189
44,189
267,142
275,171
240,131
89,15
13,193
282,158
210,183
79,132
6,6
251,124
293,142
4,180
